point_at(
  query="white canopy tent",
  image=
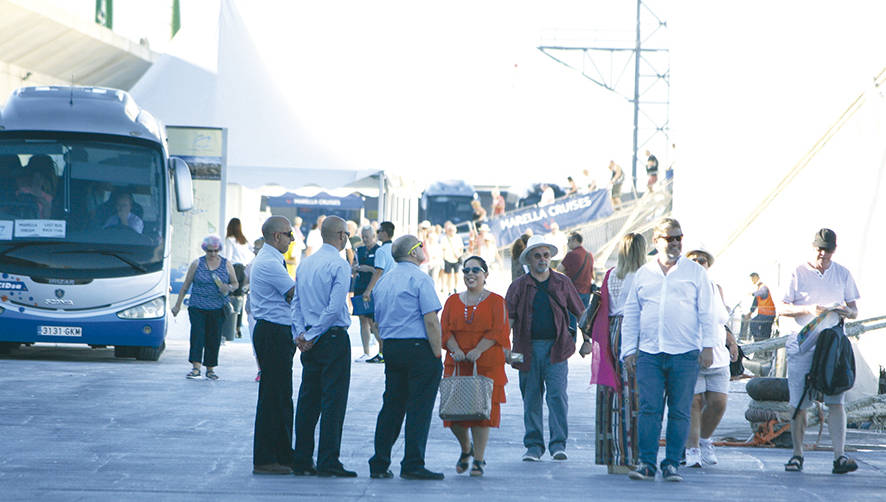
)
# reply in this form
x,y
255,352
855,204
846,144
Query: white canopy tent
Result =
x,y
213,76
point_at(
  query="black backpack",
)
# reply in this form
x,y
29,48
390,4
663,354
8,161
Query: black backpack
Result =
x,y
833,364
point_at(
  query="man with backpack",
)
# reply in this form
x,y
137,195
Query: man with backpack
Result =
x,y
578,265
820,295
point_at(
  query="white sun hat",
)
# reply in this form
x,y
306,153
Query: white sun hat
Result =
x,y
534,242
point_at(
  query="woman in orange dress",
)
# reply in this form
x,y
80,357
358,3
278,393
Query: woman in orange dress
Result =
x,y
475,328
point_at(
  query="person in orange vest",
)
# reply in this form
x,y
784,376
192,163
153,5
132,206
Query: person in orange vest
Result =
x,y
760,325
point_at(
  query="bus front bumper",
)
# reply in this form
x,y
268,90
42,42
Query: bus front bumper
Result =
x,y
106,329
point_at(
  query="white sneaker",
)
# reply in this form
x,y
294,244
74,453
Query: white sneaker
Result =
x,y
362,358
707,452
693,457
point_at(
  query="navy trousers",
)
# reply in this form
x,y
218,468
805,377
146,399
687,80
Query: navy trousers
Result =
x,y
412,377
323,396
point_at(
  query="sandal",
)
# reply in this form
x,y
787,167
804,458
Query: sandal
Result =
x,y
462,464
844,464
795,464
477,470
195,373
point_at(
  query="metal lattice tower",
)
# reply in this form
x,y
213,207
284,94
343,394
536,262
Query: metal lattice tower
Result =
x,y
606,63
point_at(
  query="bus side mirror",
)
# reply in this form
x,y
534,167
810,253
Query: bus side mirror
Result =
x,y
184,190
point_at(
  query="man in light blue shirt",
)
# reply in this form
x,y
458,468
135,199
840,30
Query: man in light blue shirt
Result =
x,y
406,307
320,321
269,297
384,262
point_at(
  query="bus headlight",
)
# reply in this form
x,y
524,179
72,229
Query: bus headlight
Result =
x,y
153,309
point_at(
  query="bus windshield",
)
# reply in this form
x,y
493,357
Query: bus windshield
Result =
x,y
75,208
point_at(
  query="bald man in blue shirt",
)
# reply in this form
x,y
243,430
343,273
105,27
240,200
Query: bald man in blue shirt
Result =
x,y
406,307
320,319
269,298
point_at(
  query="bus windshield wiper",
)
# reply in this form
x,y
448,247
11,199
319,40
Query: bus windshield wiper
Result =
x,y
20,261
22,245
105,252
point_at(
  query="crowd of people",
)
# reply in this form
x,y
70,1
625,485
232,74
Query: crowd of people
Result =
x,y
660,337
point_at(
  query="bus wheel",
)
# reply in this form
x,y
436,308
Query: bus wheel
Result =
x,y
122,351
8,347
150,353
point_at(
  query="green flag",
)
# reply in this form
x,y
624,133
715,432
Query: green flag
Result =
x,y
176,17
104,13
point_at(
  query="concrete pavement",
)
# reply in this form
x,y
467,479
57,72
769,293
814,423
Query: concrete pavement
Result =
x,y
77,424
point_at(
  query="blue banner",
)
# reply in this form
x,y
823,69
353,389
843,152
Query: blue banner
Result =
x,y
320,200
566,212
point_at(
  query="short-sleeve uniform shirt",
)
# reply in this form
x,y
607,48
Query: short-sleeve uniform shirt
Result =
x,y
383,257
402,297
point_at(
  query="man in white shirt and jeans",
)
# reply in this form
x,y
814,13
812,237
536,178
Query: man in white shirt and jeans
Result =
x,y
667,333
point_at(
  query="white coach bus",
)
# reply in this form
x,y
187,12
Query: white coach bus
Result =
x,y
86,196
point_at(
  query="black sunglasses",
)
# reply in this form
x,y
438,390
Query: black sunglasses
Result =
x,y
701,260
471,270
287,234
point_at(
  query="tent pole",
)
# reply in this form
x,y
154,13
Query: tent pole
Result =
x,y
381,196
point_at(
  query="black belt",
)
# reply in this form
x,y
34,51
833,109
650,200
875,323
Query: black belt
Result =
x,y
339,329
271,322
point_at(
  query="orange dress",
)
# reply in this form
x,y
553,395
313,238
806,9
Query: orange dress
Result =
x,y
469,325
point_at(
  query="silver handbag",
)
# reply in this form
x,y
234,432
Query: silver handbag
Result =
x,y
465,398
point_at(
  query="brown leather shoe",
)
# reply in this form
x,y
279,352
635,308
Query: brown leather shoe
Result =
x,y
271,469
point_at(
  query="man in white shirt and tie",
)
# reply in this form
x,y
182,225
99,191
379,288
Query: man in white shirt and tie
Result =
x,y
667,332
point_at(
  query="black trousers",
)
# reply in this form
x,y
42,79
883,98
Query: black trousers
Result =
x,y
273,413
206,332
412,377
323,396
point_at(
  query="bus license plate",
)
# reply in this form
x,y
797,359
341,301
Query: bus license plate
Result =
x,y
60,331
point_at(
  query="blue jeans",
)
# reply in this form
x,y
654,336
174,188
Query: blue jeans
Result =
x,y
542,376
573,321
661,376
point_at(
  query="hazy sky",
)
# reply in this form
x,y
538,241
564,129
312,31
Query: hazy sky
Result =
x,y
451,89
458,88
